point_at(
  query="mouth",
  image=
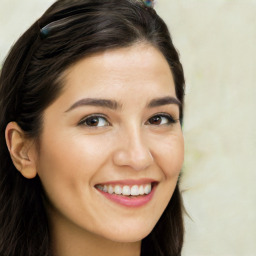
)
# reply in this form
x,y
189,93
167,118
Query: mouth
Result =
x,y
128,194
126,190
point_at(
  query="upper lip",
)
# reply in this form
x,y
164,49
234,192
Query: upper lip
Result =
x,y
128,182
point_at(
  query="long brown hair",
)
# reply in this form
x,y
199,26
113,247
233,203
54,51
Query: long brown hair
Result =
x,y
30,80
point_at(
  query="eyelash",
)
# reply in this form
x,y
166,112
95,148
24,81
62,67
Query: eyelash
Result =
x,y
94,116
170,120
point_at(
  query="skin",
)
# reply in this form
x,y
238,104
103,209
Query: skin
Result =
x,y
126,144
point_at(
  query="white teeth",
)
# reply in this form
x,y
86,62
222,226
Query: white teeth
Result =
x,y
110,189
126,190
135,190
141,190
147,189
118,190
105,188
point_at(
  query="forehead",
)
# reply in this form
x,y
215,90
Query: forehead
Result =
x,y
138,69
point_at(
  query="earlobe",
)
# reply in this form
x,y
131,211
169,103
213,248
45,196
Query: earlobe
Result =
x,y
20,148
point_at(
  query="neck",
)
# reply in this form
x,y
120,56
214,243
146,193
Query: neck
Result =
x,y
69,239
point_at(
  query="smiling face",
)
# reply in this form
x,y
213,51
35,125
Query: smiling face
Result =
x,y
114,129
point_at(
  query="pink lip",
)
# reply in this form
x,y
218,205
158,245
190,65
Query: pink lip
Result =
x,y
129,201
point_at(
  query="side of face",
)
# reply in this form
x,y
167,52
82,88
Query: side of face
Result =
x,y
115,124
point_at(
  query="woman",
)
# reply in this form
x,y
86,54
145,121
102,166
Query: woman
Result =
x,y
91,103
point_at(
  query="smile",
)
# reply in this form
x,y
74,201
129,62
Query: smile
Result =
x,y
126,190
127,193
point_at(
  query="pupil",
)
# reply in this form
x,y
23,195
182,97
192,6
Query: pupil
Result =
x,y
156,120
93,121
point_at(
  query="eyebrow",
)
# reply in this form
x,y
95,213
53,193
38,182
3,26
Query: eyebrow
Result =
x,y
114,105
163,101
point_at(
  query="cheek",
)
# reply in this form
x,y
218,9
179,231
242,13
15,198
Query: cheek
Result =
x,y
171,155
66,162
70,156
67,167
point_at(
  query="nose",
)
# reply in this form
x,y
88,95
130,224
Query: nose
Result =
x,y
132,151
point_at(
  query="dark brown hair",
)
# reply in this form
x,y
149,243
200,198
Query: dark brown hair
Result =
x,y
30,80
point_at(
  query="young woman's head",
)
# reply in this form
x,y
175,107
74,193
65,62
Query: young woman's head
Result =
x,y
91,101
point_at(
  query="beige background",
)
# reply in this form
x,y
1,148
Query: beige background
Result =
x,y
217,43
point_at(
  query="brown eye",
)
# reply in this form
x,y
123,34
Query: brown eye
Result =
x,y
161,120
156,120
95,121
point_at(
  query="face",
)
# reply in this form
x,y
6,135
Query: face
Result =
x,y
112,147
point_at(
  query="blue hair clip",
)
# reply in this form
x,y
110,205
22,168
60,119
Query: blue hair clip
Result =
x,y
44,32
149,3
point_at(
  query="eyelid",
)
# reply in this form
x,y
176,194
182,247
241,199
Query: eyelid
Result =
x,y
172,120
170,117
82,121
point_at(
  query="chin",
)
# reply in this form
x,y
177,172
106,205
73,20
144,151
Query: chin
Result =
x,y
131,236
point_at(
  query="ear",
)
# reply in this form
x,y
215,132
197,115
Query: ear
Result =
x,y
22,150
